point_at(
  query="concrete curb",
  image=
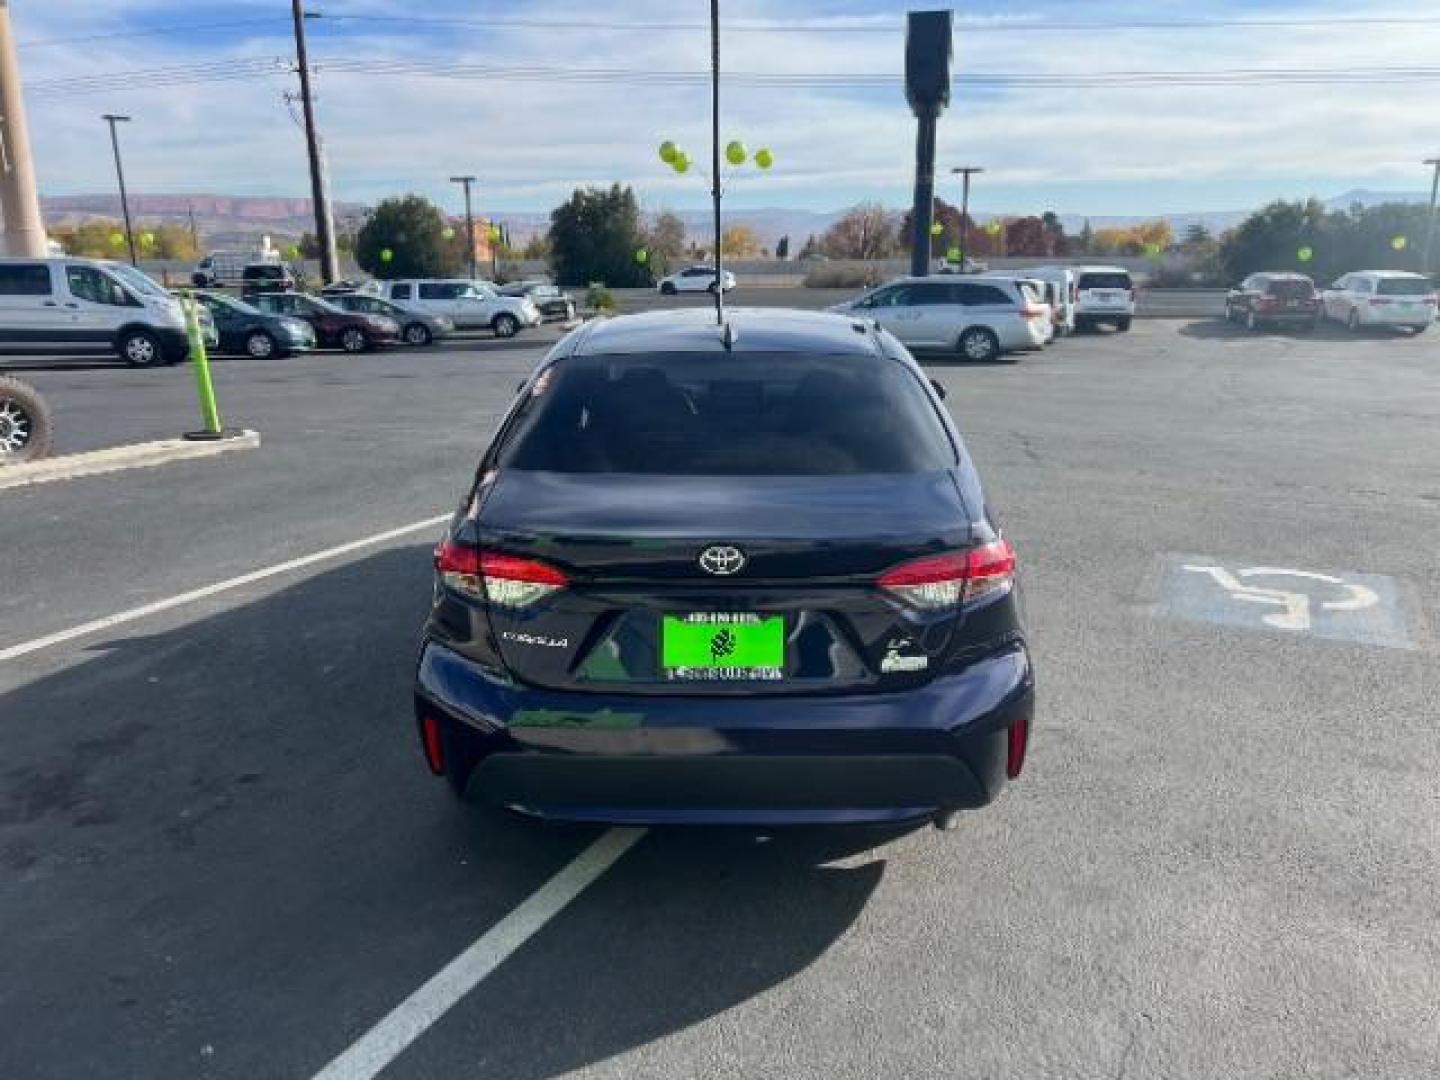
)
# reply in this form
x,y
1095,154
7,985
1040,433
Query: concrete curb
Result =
x,y
119,458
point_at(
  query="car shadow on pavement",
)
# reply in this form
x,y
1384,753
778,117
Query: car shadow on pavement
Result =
x,y
691,925
223,835
228,859
1219,328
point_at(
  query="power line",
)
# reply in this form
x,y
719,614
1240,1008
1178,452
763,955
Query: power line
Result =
x,y
974,26
250,67
153,31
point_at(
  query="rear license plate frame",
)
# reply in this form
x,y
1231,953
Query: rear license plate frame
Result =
x,y
695,645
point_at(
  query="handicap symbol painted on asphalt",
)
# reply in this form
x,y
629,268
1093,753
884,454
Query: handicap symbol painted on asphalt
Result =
x,y
1341,606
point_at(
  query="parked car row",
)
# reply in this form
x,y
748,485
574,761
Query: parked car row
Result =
x,y
1366,298
986,316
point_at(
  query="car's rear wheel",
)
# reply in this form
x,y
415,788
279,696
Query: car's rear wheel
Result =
x,y
141,348
979,344
1123,326
260,345
26,430
354,340
418,334
1422,328
667,288
505,326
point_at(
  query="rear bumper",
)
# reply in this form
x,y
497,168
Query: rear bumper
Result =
x,y
619,758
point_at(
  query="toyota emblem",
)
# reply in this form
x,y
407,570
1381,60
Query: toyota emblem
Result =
x,y
722,560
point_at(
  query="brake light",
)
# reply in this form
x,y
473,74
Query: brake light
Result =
x,y
505,580
1018,742
944,581
433,744
1029,312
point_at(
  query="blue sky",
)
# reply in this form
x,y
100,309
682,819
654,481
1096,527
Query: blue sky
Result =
x,y
405,101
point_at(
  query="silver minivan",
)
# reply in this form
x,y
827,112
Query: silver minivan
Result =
x,y
90,304
978,317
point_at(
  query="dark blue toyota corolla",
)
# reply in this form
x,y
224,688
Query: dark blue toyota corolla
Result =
x,y
739,575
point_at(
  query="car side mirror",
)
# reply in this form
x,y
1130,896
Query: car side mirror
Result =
x,y
939,389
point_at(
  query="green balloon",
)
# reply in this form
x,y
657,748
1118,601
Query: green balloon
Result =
x,y
147,239
386,255
1305,254
117,239
1398,243
953,255
495,233
764,158
642,256
681,164
293,252
735,153
937,229
449,233
669,152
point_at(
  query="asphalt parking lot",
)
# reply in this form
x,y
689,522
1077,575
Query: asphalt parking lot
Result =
x,y
221,854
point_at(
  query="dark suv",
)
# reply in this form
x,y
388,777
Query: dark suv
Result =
x,y
1273,299
742,575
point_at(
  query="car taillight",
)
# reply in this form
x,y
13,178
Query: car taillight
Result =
x,y
1015,752
937,582
506,580
1265,303
1029,312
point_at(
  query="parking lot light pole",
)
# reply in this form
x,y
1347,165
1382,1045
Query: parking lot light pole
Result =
x,y
715,156
112,119
965,172
1428,267
465,182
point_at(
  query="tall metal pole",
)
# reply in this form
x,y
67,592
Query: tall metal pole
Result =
x,y
965,172
324,225
194,230
466,181
1428,266
923,215
19,201
112,120
715,156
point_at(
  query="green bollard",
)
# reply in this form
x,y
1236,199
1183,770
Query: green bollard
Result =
x,y
209,410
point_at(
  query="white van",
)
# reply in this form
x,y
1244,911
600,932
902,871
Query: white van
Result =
x,y
1104,294
90,304
1061,297
220,268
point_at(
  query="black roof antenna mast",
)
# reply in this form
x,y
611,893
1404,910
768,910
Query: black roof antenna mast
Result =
x,y
715,156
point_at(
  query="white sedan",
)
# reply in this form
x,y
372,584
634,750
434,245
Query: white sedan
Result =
x,y
694,279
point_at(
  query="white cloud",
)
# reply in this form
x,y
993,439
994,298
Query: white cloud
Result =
x,y
531,142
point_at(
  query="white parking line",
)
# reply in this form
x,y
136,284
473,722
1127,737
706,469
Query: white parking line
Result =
x,y
383,1043
25,648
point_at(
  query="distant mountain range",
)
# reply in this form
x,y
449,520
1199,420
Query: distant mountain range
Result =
x,y
225,220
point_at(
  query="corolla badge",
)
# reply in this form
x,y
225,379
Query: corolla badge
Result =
x,y
722,560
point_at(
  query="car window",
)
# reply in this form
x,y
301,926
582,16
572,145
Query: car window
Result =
x,y
442,290
930,295
87,283
401,292
1291,288
757,414
974,294
1105,280
1404,287
1361,284
24,279
263,273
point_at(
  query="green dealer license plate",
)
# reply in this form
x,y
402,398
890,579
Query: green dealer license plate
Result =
x,y
721,646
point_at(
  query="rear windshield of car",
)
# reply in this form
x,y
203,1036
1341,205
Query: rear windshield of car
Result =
x,y
1404,287
272,272
1104,281
1291,289
740,415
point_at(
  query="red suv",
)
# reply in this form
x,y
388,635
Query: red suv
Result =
x,y
1273,299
